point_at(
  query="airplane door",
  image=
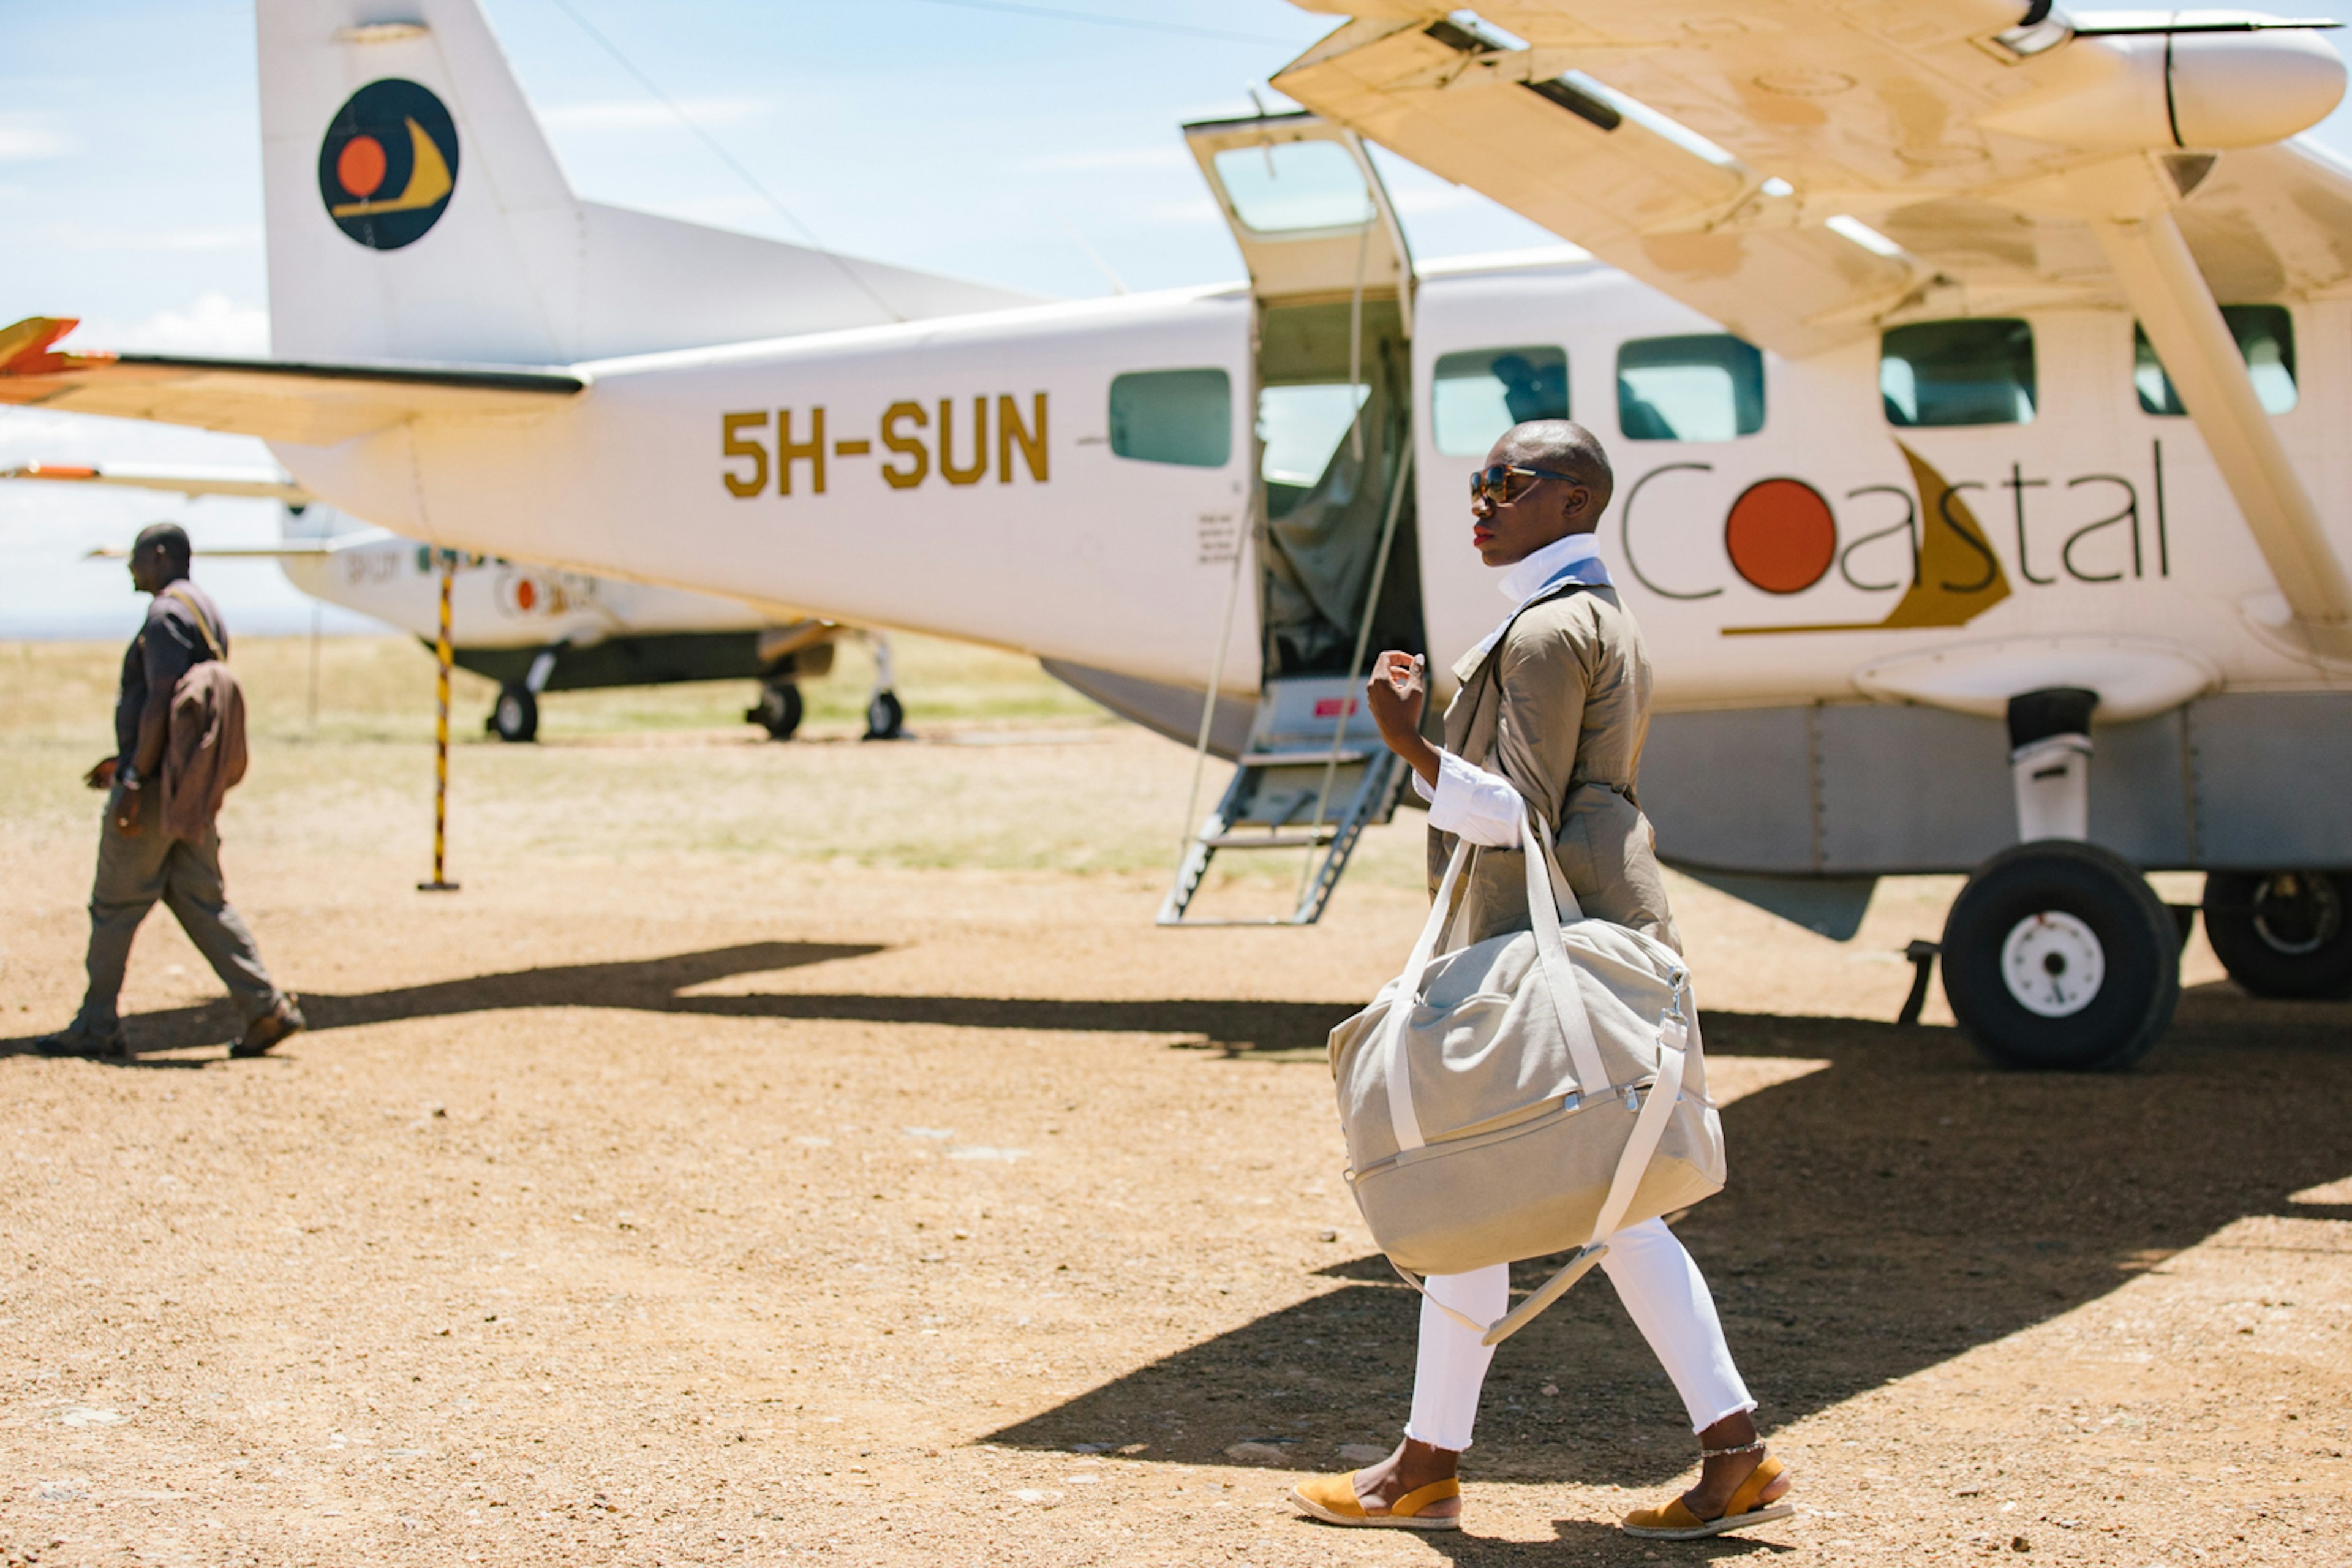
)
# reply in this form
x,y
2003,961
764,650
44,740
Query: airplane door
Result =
x,y
1306,206
1332,281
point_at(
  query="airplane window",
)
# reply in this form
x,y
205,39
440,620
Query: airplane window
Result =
x,y
1173,417
1707,387
1957,373
1291,186
2265,335
1478,394
1303,426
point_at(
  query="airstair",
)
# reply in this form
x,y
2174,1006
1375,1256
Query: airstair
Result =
x,y
1313,776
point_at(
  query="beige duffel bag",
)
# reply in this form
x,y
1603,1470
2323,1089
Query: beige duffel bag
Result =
x,y
1546,1091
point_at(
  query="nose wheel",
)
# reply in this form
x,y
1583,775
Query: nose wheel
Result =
x,y
779,710
515,716
2059,955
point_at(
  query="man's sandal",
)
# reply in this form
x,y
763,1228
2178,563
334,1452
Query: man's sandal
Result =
x,y
1675,1521
1333,1500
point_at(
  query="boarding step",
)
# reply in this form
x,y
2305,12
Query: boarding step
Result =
x,y
1313,776
1271,840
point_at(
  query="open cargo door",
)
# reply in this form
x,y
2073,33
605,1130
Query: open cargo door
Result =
x,y
1332,281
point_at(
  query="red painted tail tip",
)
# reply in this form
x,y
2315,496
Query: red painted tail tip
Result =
x,y
25,348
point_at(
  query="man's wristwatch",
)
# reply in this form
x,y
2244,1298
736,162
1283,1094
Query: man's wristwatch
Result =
x,y
126,777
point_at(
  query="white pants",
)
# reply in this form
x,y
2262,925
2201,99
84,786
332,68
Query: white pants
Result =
x,y
1663,1293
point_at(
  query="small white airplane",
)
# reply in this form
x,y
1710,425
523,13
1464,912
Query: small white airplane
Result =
x,y
532,629
1975,381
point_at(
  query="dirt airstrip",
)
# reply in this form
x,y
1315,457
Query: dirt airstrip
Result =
x,y
814,1151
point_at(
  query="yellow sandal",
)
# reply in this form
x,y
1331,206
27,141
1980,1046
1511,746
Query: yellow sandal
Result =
x,y
1333,1500
1675,1521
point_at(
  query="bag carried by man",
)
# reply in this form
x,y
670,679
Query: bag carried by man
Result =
x,y
1531,1094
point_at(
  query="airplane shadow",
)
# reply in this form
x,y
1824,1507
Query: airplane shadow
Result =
x,y
1885,1215
654,984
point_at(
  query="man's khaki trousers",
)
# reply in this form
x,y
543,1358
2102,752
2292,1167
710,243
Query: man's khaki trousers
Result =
x,y
133,872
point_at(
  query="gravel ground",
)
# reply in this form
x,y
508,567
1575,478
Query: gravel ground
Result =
x,y
745,1198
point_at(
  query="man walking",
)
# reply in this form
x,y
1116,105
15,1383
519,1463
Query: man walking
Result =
x,y
1557,727
148,849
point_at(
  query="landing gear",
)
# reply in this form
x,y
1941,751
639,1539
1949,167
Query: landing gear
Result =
x,y
515,716
778,710
2060,955
885,718
2282,933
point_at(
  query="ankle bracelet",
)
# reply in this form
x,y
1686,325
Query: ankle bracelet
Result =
x,y
1754,1447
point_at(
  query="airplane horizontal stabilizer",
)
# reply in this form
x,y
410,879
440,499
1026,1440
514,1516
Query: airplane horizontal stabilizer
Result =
x,y
262,484
308,403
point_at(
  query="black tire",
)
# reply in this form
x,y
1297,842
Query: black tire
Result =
x,y
2283,934
779,710
2082,922
885,718
514,717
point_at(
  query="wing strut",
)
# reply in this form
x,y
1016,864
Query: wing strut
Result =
x,y
2158,275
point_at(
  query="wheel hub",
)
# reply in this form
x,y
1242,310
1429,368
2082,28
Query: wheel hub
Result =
x,y
2052,964
2297,914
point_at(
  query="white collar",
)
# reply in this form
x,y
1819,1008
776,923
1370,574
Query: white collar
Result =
x,y
1523,580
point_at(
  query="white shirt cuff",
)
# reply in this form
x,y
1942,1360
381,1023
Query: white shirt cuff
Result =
x,y
1472,803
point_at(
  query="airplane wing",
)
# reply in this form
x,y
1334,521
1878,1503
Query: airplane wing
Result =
x,y
310,405
266,484
1802,171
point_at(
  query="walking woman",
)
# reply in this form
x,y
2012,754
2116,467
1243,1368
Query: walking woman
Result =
x,y
1558,729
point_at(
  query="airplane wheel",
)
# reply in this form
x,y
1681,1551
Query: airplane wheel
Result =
x,y
2282,933
2060,955
779,710
515,716
885,718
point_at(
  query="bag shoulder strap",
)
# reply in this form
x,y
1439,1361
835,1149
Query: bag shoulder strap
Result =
x,y
204,621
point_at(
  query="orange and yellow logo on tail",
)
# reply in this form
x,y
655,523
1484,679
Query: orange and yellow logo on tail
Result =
x,y
388,164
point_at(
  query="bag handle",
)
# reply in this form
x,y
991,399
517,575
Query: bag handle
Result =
x,y
1559,975
203,626
1403,1121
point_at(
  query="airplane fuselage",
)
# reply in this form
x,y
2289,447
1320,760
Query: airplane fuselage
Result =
x,y
967,483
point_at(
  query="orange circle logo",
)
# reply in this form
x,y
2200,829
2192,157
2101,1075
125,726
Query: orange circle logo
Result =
x,y
1780,535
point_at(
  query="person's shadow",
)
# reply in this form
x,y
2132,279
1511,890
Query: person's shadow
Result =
x,y
1891,1212
659,985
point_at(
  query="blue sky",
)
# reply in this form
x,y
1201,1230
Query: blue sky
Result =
x,y
947,135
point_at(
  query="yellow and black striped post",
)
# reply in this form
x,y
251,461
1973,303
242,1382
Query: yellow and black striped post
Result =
x,y
440,883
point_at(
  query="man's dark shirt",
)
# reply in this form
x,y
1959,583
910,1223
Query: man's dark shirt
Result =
x,y
161,652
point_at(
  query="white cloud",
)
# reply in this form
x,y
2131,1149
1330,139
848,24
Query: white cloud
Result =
x,y
645,114
1172,156
210,324
209,237
24,138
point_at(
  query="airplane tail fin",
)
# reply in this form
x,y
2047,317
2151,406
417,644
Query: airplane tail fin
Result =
x,y
416,211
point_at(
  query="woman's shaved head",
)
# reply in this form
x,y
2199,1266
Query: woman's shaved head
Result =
x,y
1563,446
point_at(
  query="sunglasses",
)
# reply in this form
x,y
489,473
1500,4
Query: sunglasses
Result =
x,y
1494,484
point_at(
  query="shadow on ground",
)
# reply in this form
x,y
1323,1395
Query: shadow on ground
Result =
x,y
1886,1214
656,985
1883,1215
